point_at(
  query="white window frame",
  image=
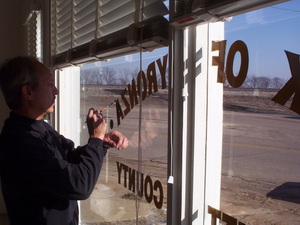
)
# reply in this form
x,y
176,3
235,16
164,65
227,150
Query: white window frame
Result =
x,y
197,140
67,111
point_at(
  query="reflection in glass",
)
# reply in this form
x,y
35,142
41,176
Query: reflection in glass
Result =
x,y
130,187
260,178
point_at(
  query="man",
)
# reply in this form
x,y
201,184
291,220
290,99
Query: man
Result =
x,y
42,174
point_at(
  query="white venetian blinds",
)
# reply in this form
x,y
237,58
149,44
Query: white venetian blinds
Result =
x,y
78,22
33,26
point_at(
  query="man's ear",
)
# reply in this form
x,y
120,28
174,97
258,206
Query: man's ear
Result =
x,y
26,92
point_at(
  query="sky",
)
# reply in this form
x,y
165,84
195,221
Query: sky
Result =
x,y
267,33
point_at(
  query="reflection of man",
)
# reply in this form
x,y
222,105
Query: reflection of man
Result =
x,y
42,174
149,132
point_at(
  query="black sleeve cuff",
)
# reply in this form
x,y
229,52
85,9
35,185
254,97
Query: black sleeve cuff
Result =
x,y
95,141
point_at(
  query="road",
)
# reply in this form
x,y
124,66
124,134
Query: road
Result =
x,y
260,167
267,145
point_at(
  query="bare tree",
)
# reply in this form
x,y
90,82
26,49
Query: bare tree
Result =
x,y
125,76
251,82
135,73
108,75
90,76
277,82
167,76
257,82
264,82
159,78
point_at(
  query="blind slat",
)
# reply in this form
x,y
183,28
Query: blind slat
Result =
x,y
115,4
84,38
64,34
83,30
117,13
125,16
116,25
84,23
63,9
63,25
90,18
62,5
89,8
64,47
76,22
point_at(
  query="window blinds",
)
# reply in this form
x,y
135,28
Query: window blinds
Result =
x,y
33,26
78,26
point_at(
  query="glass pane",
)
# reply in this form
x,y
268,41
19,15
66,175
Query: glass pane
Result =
x,y
261,145
133,182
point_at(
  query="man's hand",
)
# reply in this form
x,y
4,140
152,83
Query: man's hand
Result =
x,y
96,124
115,139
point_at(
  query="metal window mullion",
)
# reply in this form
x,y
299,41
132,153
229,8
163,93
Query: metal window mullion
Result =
x,y
175,207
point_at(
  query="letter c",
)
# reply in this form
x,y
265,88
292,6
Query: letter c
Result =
x,y
157,185
148,193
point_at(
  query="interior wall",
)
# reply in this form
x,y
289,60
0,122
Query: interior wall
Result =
x,y
12,39
13,43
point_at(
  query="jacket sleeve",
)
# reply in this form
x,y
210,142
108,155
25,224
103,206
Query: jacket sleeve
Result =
x,y
72,154
52,175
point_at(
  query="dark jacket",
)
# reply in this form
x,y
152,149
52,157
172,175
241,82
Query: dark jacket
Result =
x,y
42,175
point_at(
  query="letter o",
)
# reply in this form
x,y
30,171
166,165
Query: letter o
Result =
x,y
157,185
148,196
237,81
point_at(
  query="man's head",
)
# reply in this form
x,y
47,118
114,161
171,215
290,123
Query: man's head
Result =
x,y
26,83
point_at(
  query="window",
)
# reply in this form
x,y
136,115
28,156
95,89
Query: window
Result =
x,y
260,179
95,35
133,182
178,136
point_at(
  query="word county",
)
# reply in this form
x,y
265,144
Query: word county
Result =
x,y
142,185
